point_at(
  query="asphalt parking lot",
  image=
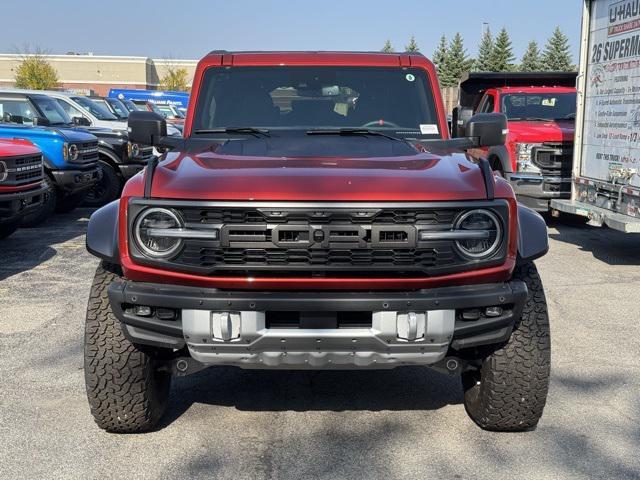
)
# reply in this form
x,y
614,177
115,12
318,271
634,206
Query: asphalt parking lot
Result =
x,y
406,423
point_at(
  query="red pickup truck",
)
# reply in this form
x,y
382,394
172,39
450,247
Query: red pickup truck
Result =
x,y
316,215
21,187
541,110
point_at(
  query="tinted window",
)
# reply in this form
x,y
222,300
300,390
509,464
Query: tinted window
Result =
x,y
52,110
70,109
96,110
539,106
118,107
290,98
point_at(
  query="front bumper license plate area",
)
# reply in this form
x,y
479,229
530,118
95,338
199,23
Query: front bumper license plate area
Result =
x,y
241,338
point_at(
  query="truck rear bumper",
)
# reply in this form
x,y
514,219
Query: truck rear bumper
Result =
x,y
599,216
537,191
316,330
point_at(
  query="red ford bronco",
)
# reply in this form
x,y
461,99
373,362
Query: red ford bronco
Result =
x,y
541,112
316,215
21,187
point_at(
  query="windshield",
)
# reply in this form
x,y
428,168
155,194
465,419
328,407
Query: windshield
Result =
x,y
539,106
130,106
396,100
98,111
52,110
118,107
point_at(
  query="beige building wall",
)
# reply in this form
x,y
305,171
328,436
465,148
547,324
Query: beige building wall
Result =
x,y
100,73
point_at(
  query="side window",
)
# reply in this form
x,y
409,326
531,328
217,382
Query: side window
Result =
x,y
21,111
70,109
487,104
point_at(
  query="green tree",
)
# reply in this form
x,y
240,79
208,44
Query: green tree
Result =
x,y
440,55
502,55
413,45
175,79
485,52
35,73
388,48
557,55
531,60
457,62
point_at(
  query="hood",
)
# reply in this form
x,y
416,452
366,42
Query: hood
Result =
x,y
76,135
210,175
539,131
10,148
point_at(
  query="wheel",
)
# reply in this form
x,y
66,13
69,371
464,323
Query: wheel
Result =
x,y
126,391
106,190
46,209
70,202
7,228
508,392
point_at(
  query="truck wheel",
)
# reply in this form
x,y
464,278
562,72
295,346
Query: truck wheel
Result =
x,y
106,190
46,209
126,392
70,202
8,228
508,392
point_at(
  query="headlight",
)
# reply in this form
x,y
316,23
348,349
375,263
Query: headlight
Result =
x,y
133,149
480,221
4,171
524,162
154,231
70,152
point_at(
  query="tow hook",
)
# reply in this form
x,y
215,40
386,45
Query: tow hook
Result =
x,y
182,366
449,366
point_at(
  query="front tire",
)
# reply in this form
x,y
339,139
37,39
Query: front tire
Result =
x,y
7,228
106,190
126,391
509,391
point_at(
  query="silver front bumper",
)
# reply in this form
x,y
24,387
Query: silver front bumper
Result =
x,y
242,339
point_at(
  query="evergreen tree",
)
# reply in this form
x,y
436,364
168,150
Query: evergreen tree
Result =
x,y
388,48
556,56
531,61
456,63
502,55
485,52
413,45
440,55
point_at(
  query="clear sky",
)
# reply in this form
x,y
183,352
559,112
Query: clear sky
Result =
x,y
189,28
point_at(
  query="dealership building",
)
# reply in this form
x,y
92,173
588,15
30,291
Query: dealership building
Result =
x,y
98,73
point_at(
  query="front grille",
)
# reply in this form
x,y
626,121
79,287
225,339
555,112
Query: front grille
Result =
x,y
22,170
87,152
319,240
554,159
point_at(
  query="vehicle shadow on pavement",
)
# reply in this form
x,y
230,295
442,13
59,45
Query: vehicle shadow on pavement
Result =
x,y
29,247
403,388
607,245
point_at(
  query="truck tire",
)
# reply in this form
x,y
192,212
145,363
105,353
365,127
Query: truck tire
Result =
x,y
508,392
46,209
106,190
126,391
70,202
7,228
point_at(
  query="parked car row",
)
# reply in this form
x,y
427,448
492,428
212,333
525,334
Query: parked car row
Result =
x,y
83,150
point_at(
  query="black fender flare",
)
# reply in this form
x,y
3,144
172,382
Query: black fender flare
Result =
x,y
110,154
102,233
502,154
533,241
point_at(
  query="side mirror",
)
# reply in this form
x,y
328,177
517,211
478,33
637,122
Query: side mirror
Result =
x,y
488,129
41,121
81,121
146,128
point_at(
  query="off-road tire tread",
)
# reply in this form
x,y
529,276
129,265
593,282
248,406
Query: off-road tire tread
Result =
x,y
126,393
113,189
515,378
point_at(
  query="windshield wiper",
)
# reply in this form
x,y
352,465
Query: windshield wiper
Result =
x,y
256,132
352,131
